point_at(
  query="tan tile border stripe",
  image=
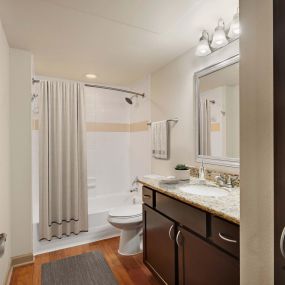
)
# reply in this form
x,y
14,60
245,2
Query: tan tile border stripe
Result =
x,y
35,124
139,126
107,127
215,127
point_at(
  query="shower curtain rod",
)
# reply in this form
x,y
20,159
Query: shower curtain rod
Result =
x,y
104,87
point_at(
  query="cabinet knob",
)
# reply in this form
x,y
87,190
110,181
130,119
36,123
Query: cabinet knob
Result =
x,y
170,232
282,243
177,238
146,196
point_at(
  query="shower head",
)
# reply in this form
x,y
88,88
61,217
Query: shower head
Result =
x,y
129,100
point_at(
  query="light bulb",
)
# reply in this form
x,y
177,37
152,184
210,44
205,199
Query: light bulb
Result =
x,y
219,37
234,30
203,47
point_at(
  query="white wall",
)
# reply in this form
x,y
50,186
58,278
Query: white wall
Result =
x,y
20,151
172,96
256,106
140,142
5,223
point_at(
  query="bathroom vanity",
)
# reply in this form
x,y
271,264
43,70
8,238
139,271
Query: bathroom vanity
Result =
x,y
190,239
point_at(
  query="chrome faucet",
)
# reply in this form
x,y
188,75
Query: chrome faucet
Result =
x,y
202,171
134,187
226,181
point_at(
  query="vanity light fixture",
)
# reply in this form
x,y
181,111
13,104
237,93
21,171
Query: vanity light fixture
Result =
x,y
219,37
234,30
222,36
203,47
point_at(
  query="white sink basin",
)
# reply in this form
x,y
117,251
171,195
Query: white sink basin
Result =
x,y
204,190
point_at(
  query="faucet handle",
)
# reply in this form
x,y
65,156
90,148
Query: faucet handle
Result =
x,y
220,179
231,179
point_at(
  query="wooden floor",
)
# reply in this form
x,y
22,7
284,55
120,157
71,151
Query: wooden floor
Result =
x,y
127,269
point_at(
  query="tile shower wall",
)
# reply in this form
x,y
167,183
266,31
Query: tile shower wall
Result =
x,y
140,140
118,141
107,150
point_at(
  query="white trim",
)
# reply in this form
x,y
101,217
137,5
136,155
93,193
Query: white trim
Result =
x,y
96,234
224,161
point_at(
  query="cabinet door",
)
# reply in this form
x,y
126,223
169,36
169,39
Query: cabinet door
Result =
x,y
159,245
201,263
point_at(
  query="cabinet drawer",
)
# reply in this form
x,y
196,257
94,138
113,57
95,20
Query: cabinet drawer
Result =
x,y
225,235
186,215
148,196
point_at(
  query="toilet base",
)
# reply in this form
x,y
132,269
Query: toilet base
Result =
x,y
130,242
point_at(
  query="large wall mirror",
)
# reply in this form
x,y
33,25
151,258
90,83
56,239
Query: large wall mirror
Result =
x,y
217,113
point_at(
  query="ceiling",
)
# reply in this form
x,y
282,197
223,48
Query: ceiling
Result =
x,y
120,41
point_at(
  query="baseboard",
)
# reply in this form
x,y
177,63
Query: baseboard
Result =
x,y
17,261
9,275
22,260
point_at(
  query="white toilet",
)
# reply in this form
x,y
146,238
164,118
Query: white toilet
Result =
x,y
129,220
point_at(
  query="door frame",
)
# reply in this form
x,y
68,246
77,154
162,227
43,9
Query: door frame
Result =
x,y
279,135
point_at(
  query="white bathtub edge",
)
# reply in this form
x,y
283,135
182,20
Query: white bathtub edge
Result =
x,y
93,235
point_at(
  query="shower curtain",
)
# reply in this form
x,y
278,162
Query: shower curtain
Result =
x,y
205,127
63,169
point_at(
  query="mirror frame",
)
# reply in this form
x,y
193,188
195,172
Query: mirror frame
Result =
x,y
224,161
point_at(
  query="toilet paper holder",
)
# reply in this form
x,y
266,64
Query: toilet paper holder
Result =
x,y
3,238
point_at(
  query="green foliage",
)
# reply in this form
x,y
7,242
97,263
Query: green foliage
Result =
x,y
181,167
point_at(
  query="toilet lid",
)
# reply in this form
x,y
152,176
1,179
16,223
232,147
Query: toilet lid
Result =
x,y
127,211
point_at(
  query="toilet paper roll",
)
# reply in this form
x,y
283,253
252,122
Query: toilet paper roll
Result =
x,y
2,243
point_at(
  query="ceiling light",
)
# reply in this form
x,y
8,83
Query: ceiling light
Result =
x,y
90,76
234,30
219,37
203,47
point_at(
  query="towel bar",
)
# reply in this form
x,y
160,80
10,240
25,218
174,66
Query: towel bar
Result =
x,y
169,120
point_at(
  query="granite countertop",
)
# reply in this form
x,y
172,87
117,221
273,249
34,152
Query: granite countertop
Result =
x,y
226,207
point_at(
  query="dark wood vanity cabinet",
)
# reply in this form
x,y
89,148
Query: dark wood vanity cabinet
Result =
x,y
159,245
201,263
186,246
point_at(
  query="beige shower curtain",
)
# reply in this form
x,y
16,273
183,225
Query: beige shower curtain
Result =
x,y
205,127
63,169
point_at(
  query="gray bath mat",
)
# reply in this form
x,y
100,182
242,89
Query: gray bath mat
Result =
x,y
85,269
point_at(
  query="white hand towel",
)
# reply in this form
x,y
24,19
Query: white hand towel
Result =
x,y
159,133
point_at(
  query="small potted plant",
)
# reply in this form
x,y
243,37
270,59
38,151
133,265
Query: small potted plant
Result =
x,y
182,172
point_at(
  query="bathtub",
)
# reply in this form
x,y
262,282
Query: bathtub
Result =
x,y
98,229
99,206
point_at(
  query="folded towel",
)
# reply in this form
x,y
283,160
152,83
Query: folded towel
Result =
x,y
159,134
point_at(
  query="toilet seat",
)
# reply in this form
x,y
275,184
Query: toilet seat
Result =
x,y
132,211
